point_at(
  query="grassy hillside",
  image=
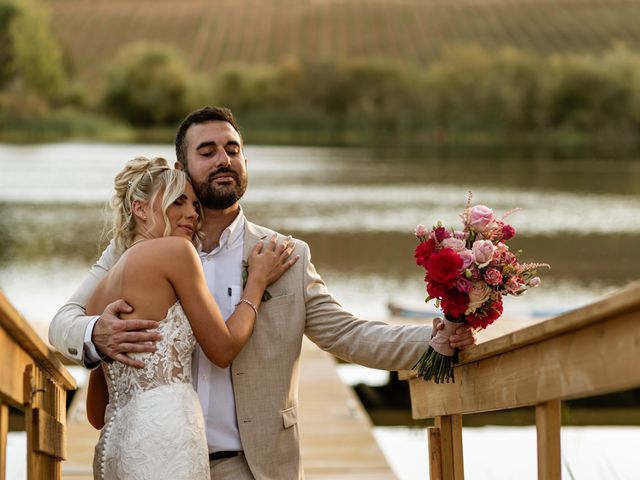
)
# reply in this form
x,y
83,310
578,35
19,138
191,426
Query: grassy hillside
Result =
x,y
209,33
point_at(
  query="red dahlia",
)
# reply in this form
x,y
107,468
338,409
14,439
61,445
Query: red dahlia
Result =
x,y
434,289
423,252
454,302
444,266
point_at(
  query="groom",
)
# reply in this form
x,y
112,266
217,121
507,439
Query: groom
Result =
x,y
250,408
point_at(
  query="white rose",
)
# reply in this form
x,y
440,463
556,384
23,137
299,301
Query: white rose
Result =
x,y
479,293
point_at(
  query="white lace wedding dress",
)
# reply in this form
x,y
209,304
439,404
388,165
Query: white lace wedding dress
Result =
x,y
154,427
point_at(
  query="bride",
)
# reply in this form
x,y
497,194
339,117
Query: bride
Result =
x,y
151,420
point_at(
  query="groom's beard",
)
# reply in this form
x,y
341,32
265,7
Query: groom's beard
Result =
x,y
219,197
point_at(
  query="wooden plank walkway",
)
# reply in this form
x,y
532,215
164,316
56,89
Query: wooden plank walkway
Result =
x,y
81,440
336,436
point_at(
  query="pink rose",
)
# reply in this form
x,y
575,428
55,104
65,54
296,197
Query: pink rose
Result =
x,y
513,285
483,252
480,216
493,276
467,258
479,293
463,285
510,258
454,244
460,234
534,282
421,231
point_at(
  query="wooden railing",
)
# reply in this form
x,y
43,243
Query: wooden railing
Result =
x,y
589,351
32,381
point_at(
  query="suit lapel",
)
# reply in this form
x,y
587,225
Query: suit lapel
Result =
x,y
252,235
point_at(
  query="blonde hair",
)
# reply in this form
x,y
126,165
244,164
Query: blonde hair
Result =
x,y
143,179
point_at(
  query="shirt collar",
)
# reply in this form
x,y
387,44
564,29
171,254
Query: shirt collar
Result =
x,y
231,236
234,232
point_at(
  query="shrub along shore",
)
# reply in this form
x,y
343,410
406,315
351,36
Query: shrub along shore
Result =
x,y
469,95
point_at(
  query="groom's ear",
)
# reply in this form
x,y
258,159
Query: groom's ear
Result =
x,y
178,166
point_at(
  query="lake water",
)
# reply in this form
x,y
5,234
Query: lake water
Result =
x,y
357,208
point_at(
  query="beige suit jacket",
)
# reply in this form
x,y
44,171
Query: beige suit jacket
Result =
x,y
265,373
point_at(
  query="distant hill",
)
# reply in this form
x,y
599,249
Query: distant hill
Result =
x,y
211,32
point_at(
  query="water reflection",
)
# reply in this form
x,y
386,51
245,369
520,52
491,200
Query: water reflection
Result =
x,y
355,207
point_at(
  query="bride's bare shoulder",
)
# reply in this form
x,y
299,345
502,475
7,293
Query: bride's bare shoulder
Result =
x,y
175,250
172,244
163,250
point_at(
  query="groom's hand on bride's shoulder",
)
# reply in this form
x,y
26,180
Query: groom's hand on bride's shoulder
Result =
x,y
115,337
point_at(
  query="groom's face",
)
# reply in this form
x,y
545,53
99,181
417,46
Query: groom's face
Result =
x,y
216,164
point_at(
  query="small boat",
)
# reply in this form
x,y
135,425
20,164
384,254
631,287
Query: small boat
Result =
x,y
402,311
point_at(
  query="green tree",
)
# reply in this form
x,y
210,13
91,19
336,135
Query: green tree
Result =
x,y
385,97
147,85
36,57
456,86
513,94
8,11
245,87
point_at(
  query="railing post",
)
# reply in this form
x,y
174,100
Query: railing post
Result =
x,y
548,421
450,432
435,453
4,428
33,380
45,417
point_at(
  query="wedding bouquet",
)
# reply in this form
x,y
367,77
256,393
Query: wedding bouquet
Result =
x,y
468,272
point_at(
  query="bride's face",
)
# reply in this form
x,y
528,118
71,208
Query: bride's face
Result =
x,y
182,215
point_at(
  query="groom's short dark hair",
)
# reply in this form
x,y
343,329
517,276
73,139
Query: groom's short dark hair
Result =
x,y
202,115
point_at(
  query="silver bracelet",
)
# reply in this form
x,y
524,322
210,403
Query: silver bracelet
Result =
x,y
244,300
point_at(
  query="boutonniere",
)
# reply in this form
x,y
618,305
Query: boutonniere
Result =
x,y
266,296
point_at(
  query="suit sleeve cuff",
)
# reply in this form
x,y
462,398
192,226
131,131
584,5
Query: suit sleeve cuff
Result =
x,y
91,355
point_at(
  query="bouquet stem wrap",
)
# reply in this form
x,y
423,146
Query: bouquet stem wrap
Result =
x,y
437,362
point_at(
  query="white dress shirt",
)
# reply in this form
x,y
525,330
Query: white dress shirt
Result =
x,y
223,273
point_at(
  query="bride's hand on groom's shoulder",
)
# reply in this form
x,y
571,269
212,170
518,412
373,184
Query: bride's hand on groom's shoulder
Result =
x,y
271,260
115,337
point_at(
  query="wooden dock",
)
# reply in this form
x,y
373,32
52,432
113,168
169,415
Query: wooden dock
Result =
x,y
336,436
